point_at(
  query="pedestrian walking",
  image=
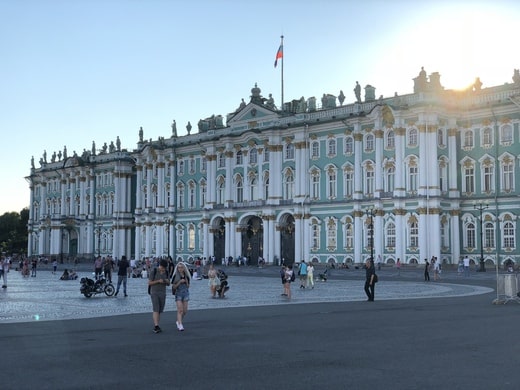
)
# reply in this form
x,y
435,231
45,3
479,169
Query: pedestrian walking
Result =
x,y
122,274
108,267
466,265
4,269
98,267
289,277
398,266
54,266
370,275
34,264
302,272
426,270
181,288
310,275
158,280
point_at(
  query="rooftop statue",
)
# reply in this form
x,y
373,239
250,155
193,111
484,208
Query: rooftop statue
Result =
x,y
341,98
188,127
59,155
141,134
53,157
118,144
93,151
477,85
64,152
174,129
45,156
357,92
516,76
32,162
270,102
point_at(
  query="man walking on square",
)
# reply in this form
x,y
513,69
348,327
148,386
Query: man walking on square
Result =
x,y
122,275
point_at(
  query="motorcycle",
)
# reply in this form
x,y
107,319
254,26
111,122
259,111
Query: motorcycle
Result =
x,y
91,287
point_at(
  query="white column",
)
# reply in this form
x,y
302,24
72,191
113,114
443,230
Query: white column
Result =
x,y
379,144
139,188
358,169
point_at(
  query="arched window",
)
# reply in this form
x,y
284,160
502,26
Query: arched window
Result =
x,y
470,236
390,140
369,143
489,235
348,182
315,149
288,184
508,234
468,139
332,148
253,156
191,237
506,134
412,137
414,234
315,184
289,151
487,137
349,235
390,235
239,159
221,185
239,186
349,145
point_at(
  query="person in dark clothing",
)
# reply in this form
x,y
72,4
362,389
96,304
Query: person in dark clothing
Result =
x,y
369,280
107,268
426,270
122,275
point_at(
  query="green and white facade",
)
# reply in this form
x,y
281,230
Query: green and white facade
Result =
x,y
300,183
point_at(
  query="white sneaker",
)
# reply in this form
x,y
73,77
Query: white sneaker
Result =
x,y
178,325
181,328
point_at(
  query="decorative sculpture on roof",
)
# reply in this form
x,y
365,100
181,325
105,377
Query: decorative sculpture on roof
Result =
x,y
93,148
477,85
341,97
516,76
118,144
53,157
188,127
45,156
104,148
64,152
357,92
270,102
59,155
111,147
141,133
174,129
32,162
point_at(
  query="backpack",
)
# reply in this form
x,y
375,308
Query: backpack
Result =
x,y
293,276
376,279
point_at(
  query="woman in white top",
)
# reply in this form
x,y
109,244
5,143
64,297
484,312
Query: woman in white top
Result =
x,y
310,275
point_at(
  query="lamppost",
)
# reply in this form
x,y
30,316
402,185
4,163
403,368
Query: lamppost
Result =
x,y
370,214
99,239
481,206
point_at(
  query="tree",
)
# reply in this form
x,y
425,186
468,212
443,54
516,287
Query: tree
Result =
x,y
13,231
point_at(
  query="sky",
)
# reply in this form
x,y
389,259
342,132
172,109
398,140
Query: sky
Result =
x,y
77,71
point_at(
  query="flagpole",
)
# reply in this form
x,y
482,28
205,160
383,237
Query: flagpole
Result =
x,y
282,108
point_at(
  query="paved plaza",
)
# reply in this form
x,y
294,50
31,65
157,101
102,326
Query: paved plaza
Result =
x,y
45,297
416,335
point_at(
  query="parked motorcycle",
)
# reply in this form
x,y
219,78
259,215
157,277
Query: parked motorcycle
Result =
x,y
91,287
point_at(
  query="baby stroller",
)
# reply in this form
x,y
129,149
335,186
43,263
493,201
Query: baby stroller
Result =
x,y
323,276
224,285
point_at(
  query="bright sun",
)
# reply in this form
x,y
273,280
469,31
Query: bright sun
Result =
x,y
460,42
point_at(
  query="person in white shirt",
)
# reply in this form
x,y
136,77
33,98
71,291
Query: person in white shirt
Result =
x,y
466,265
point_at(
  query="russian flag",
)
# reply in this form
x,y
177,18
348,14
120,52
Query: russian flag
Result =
x,y
279,54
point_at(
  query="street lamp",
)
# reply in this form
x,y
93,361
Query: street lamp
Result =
x,y
370,214
99,239
481,206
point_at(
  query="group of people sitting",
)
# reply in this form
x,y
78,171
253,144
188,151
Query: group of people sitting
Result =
x,y
69,275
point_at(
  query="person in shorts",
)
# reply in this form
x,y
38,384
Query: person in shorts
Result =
x,y
181,285
158,280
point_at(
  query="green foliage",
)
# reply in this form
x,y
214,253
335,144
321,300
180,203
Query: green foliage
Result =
x,y
13,232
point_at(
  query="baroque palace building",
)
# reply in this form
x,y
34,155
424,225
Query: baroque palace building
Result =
x,y
431,173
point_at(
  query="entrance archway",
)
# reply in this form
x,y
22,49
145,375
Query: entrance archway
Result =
x,y
287,238
219,241
253,239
